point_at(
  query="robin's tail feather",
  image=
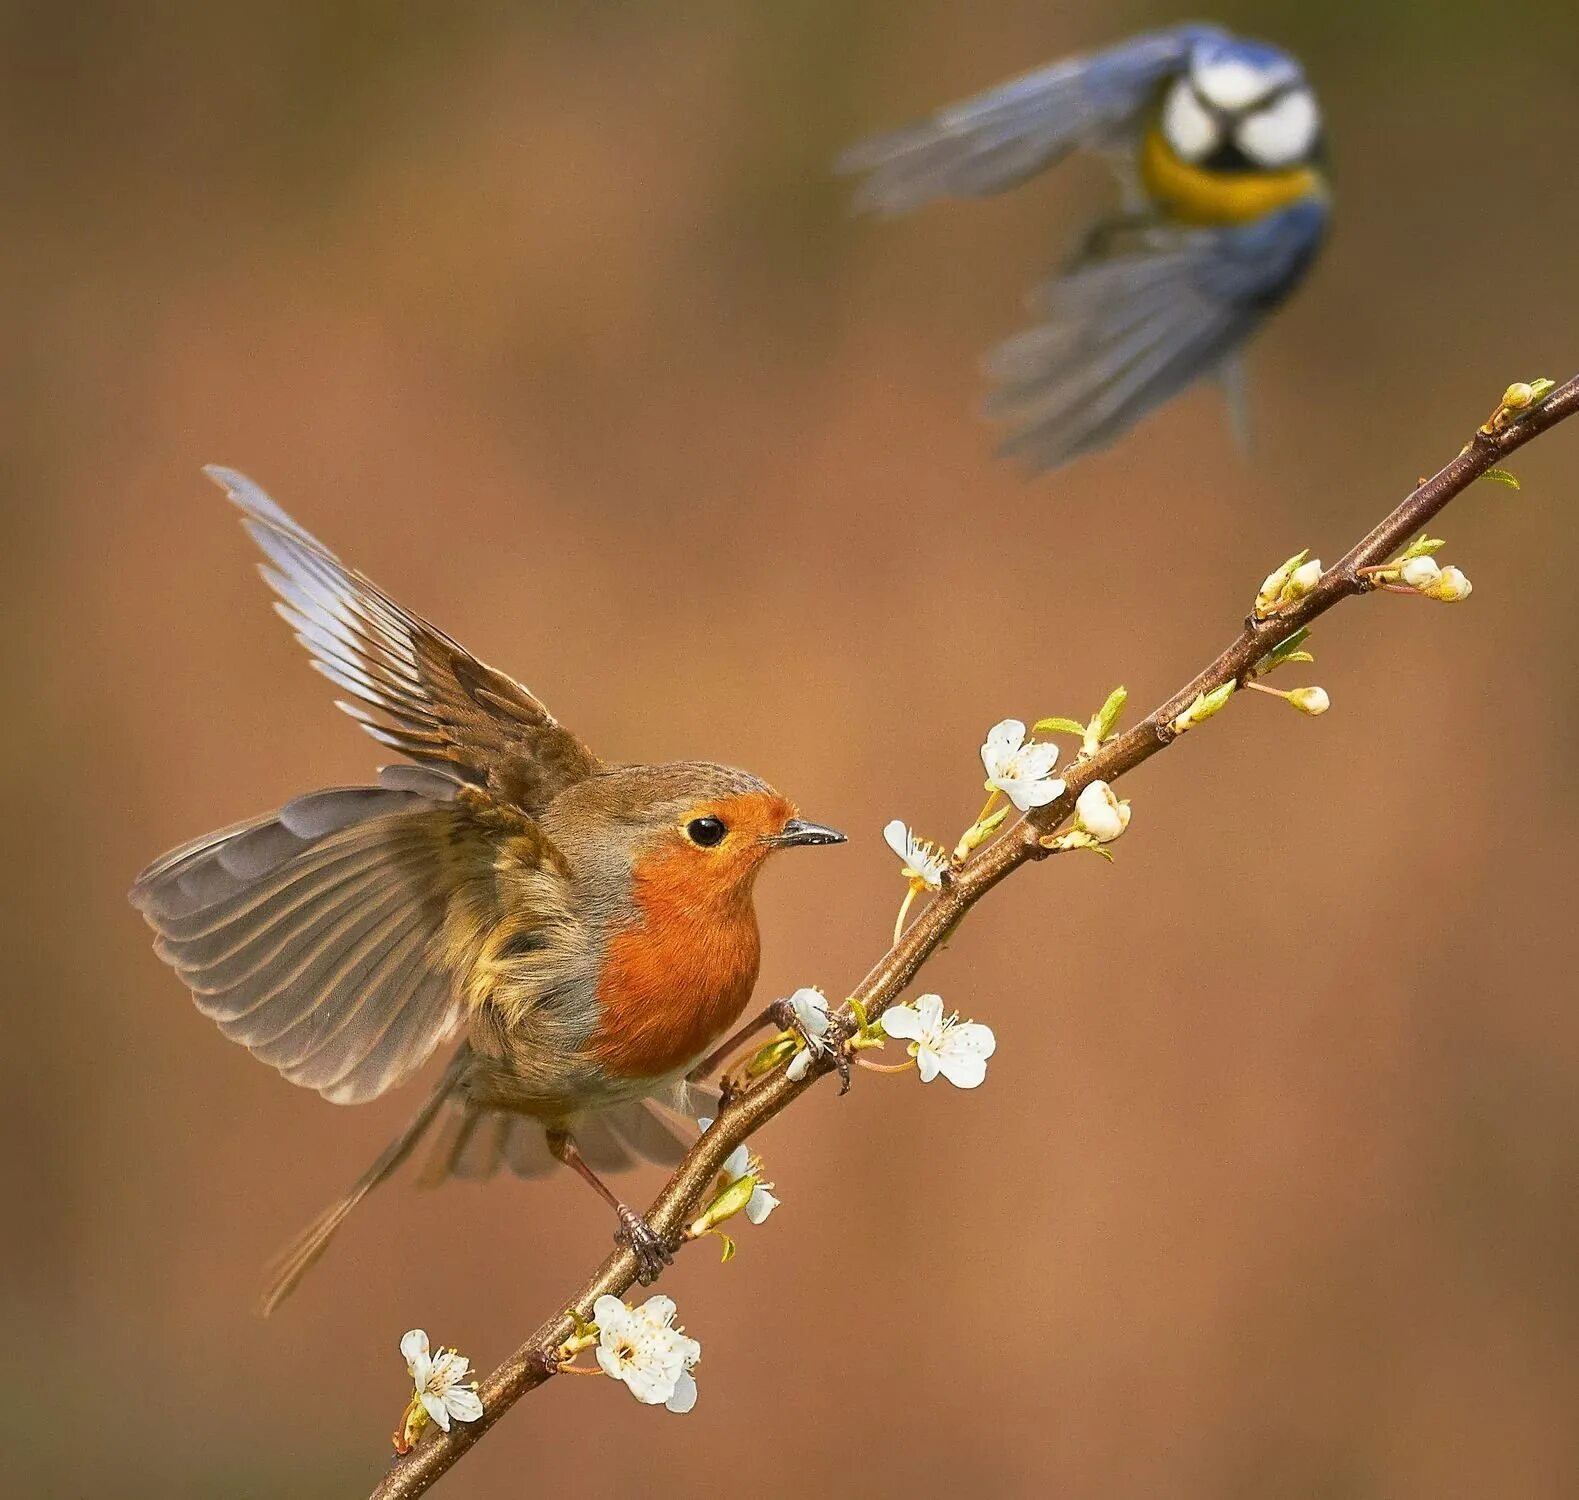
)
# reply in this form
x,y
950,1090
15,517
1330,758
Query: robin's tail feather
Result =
x,y
299,1256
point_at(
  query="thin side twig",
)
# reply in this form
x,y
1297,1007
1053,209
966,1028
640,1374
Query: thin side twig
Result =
x,y
533,1363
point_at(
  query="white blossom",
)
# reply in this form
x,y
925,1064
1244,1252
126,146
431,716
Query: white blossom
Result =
x,y
437,1379
942,1044
812,1021
1101,814
743,1162
925,864
640,1346
1023,773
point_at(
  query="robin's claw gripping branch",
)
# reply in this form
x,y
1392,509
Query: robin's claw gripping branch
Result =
x,y
652,1251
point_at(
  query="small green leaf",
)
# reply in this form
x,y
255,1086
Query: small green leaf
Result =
x,y
1288,656
729,1249
1539,389
1107,715
1058,726
1422,546
1501,476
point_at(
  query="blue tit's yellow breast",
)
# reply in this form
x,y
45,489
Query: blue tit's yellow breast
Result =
x,y
1195,195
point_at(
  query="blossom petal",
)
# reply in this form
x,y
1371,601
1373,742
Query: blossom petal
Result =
x,y
897,837
930,1010
414,1346
927,1062
902,1022
649,1385
1003,740
464,1404
799,1066
1035,761
434,1406
965,1070
684,1397
658,1309
962,1059
738,1162
689,1349
609,1362
1029,794
610,1314
761,1204
972,1037
811,1012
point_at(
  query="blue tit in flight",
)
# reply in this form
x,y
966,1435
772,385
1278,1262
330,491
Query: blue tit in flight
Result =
x,y
1217,142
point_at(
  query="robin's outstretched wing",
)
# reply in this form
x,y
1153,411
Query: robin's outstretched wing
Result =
x,y
1001,137
339,938
1144,311
313,935
415,690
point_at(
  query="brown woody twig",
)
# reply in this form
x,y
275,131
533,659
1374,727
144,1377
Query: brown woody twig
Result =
x,y
530,1366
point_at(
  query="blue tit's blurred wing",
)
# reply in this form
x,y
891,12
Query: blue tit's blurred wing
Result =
x,y
1001,137
1145,310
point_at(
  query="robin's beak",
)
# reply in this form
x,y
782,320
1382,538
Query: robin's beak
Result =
x,y
799,831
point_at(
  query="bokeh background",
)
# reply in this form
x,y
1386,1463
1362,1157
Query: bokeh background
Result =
x,y
551,318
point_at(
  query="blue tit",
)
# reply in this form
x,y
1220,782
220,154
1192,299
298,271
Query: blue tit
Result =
x,y
1217,142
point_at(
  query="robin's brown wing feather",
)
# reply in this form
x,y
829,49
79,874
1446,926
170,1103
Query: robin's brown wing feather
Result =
x,y
341,939
415,689
314,936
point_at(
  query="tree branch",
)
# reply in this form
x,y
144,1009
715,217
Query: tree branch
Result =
x,y
533,1363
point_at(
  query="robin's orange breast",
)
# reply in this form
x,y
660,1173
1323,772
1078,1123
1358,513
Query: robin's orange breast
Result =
x,y
678,978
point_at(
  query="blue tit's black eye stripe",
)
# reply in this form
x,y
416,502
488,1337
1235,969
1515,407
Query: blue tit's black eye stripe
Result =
x,y
708,832
1229,158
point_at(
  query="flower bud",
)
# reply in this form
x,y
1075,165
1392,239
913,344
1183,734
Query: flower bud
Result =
x,y
1204,706
1519,394
1302,580
1420,572
1451,587
1101,814
1274,585
730,1201
1310,700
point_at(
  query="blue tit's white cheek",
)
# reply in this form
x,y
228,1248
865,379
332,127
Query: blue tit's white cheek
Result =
x,y
1283,133
1188,128
1233,83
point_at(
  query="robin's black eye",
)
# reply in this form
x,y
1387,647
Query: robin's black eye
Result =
x,y
705,831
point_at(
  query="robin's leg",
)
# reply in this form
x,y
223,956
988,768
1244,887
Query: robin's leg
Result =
x,y
651,1251
780,1013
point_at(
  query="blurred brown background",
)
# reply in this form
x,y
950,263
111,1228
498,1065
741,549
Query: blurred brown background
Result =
x,y
551,318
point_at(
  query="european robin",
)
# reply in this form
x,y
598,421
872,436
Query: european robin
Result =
x,y
588,929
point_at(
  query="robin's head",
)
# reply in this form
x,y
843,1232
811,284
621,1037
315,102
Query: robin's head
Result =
x,y
694,824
